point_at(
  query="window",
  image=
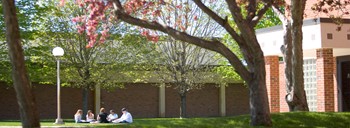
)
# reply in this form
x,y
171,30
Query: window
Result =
x,y
310,83
329,36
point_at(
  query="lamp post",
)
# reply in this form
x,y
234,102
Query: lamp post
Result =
x,y
58,52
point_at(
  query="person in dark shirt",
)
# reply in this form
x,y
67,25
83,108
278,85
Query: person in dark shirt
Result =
x,y
102,116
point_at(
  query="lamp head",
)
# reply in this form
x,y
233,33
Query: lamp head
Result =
x,y
57,51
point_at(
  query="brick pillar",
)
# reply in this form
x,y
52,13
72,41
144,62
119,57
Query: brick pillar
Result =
x,y
283,104
162,101
222,100
325,82
272,82
97,100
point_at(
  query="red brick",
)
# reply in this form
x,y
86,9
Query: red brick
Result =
x,y
272,82
325,80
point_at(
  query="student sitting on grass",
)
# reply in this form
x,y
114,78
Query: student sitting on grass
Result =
x,y
78,115
125,118
102,117
112,116
90,117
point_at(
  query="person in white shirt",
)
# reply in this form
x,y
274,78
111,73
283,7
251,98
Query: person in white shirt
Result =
x,y
125,118
78,115
112,116
90,117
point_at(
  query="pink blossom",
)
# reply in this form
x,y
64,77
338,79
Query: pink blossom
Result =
x,y
179,6
76,19
195,18
62,2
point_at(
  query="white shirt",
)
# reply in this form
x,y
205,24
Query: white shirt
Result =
x,y
126,116
112,117
91,118
77,118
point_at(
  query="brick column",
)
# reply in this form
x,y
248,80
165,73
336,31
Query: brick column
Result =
x,y
222,100
325,82
283,104
97,98
272,82
162,101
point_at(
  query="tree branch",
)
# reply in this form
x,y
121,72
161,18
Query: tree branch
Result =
x,y
210,45
251,10
235,11
223,22
260,14
280,15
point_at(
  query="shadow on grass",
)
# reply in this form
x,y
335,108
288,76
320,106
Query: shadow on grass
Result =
x,y
219,122
311,120
280,120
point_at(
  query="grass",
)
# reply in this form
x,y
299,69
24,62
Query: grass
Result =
x,y
280,120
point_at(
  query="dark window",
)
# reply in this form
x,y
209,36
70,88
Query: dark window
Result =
x,y
348,36
280,59
329,36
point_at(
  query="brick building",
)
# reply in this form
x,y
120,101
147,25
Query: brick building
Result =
x,y
326,52
326,76
142,100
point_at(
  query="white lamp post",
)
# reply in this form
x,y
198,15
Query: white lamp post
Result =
x,y
58,52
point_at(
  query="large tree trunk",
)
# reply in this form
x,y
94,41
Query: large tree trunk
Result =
x,y
25,97
293,59
299,97
293,55
259,105
183,105
286,49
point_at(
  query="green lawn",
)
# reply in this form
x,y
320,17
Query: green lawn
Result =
x,y
283,120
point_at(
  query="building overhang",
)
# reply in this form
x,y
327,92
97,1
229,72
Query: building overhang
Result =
x,y
317,33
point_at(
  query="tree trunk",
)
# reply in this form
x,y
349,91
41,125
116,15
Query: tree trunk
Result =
x,y
286,50
22,85
259,105
293,59
297,42
296,97
85,100
183,105
86,89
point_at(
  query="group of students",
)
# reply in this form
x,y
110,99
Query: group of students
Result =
x,y
103,117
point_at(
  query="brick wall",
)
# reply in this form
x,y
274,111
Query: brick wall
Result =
x,y
237,100
9,106
71,100
200,103
272,82
325,83
46,98
140,99
283,104
205,102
